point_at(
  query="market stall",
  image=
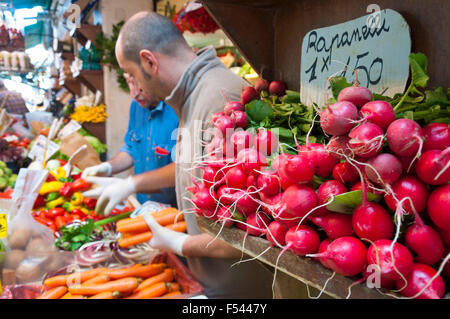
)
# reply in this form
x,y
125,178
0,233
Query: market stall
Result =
x,y
287,189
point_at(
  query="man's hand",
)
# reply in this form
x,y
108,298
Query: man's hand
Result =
x,y
163,238
103,169
110,193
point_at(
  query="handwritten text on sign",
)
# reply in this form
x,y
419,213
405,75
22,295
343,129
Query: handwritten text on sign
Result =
x,y
377,45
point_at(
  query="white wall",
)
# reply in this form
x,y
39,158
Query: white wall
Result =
x,y
117,101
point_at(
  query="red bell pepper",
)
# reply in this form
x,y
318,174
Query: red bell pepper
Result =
x,y
90,202
68,218
54,212
51,178
44,221
60,221
66,190
76,176
81,185
78,213
39,202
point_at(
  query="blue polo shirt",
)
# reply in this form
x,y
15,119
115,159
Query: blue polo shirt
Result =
x,y
151,134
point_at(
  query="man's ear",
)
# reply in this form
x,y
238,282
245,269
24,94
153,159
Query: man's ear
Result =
x,y
149,61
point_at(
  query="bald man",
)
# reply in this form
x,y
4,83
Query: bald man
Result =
x,y
152,50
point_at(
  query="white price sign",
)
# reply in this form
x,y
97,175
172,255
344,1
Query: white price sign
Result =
x,y
38,149
376,45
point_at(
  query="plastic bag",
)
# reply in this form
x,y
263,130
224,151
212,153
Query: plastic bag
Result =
x,y
29,246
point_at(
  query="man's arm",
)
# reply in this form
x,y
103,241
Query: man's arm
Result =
x,y
121,162
152,181
205,245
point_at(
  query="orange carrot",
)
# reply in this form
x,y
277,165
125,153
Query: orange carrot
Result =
x,y
173,286
107,295
171,294
123,285
143,237
70,296
153,291
167,276
138,270
99,279
77,277
138,224
54,293
118,273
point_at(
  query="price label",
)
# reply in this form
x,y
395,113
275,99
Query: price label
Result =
x,y
3,226
71,127
376,45
38,149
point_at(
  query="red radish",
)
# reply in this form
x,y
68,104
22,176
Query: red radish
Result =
x,y
298,168
412,187
366,140
240,119
445,235
271,203
358,95
225,125
266,142
358,187
257,223
425,242
210,214
380,113
269,183
338,118
251,160
245,202
437,136
338,147
216,116
325,192
205,199
345,255
323,160
277,88
298,200
230,107
224,216
236,178
227,148
248,94
225,195
322,248
212,177
335,225
404,137
371,221
241,226
384,169
408,164
276,234
261,85
417,279
433,167
446,269
384,283
345,173
439,207
252,181
241,140
379,253
302,240
276,162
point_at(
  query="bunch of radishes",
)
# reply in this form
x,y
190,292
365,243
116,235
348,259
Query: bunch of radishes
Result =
x,y
369,150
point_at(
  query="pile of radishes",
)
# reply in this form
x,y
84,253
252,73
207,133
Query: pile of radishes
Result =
x,y
248,183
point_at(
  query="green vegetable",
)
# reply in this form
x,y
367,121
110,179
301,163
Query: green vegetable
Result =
x,y
96,144
347,202
3,183
52,196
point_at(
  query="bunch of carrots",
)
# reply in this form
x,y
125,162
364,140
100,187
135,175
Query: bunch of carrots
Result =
x,y
135,231
132,282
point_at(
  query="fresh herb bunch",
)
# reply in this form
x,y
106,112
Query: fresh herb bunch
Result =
x,y
73,237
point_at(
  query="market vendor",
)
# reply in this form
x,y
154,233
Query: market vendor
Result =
x,y
151,49
148,148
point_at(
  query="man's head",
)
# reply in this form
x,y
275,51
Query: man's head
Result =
x,y
152,50
144,99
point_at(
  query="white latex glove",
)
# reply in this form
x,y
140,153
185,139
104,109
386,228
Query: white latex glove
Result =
x,y
110,193
164,238
103,169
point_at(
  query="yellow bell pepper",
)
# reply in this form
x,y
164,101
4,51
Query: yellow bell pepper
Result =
x,y
50,187
55,203
85,210
77,199
59,173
